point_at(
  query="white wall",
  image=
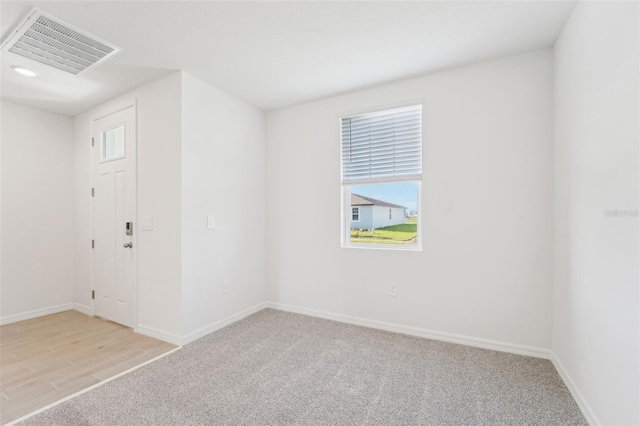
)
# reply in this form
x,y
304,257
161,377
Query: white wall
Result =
x,y
595,326
159,114
485,271
37,212
223,173
200,152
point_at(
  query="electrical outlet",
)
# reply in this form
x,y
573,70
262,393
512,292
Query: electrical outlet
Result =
x,y
211,221
225,286
393,289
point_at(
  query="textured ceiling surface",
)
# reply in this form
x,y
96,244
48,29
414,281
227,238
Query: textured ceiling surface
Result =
x,y
276,54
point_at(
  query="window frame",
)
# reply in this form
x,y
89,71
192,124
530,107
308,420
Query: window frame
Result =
x,y
345,188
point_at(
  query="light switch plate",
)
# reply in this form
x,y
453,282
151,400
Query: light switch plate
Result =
x,y
211,221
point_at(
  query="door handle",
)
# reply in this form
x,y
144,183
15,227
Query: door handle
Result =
x,y
128,245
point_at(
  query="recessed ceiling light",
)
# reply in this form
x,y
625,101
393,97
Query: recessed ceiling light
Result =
x,y
24,71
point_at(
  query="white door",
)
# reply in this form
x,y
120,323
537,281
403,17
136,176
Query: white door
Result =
x,y
114,213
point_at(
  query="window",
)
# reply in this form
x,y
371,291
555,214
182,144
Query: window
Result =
x,y
381,176
355,214
113,143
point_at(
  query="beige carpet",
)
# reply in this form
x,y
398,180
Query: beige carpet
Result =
x,y
277,368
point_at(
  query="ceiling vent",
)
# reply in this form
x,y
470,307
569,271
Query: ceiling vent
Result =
x,y
52,42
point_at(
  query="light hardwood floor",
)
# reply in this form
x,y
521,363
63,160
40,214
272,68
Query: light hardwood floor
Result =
x,y
43,360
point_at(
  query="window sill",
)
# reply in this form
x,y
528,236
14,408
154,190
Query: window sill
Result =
x,y
388,247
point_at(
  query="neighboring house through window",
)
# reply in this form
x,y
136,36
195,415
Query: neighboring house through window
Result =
x,y
381,175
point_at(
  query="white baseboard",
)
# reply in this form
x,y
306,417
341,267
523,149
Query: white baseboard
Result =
x,y
36,313
420,332
156,333
584,406
201,332
83,309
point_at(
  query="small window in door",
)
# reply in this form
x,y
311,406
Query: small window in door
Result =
x,y
113,143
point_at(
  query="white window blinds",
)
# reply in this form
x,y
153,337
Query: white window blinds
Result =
x,y
382,146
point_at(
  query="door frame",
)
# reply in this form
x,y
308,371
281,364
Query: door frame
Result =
x,y
102,112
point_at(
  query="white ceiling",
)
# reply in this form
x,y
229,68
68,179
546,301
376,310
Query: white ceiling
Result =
x,y
276,54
